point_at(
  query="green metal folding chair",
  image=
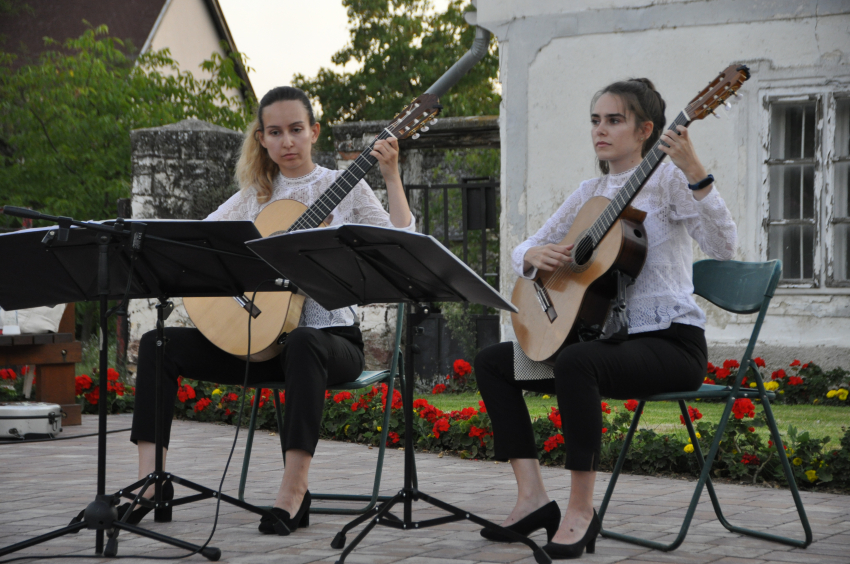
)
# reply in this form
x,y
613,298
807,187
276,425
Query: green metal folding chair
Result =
x,y
366,379
738,287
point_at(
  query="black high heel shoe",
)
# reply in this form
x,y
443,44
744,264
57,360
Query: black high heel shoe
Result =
x,y
588,541
301,518
160,515
547,517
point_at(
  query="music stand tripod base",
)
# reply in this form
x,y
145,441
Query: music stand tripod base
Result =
x,y
363,264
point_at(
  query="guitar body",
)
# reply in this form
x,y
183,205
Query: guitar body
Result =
x,y
225,323
580,295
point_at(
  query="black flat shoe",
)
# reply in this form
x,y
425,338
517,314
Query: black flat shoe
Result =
x,y
547,517
301,518
568,551
161,515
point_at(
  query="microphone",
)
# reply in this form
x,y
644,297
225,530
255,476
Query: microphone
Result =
x,y
64,222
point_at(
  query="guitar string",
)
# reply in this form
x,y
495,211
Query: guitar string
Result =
x,y
593,236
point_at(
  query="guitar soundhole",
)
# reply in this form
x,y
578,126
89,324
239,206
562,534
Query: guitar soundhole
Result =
x,y
638,234
583,251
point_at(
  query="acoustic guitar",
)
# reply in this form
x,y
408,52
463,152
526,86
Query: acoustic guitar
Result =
x,y
569,304
224,321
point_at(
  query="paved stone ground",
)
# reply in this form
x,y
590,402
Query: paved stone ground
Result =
x,y
43,485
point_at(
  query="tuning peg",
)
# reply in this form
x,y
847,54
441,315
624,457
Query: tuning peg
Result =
x,y
434,121
715,115
738,95
415,136
424,129
727,105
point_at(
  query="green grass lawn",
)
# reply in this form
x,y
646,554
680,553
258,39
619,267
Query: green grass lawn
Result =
x,y
663,417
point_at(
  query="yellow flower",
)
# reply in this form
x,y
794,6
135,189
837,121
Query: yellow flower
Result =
x,y
781,391
842,394
698,435
346,429
753,384
797,461
216,392
689,448
379,428
815,401
811,475
832,393
689,440
772,385
545,397
71,73
790,451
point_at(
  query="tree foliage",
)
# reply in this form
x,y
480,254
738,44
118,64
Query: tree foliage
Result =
x,y
65,121
402,48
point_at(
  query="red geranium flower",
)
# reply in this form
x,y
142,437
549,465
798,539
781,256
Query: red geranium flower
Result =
x,y
481,407
729,364
439,389
743,407
722,373
112,374
430,413
202,404
631,405
711,368
777,374
93,396
419,403
282,396
693,413
342,396
605,408
441,426
555,418
328,394
7,374
479,432
461,367
604,430
82,383
708,381
552,442
750,459
759,362
752,429
805,365
794,380
795,362
392,438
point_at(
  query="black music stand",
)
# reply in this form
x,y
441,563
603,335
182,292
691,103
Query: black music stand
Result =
x,y
82,261
363,264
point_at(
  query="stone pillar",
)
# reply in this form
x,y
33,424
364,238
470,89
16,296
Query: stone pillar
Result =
x,y
180,171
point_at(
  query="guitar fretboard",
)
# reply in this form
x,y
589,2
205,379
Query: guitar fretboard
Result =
x,y
628,192
330,199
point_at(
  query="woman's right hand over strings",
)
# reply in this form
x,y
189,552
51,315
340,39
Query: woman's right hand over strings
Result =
x,y
547,257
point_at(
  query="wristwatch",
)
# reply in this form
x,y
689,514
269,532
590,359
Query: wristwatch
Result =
x,y
702,183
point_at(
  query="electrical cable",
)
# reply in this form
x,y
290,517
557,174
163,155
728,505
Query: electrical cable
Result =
x,y
67,438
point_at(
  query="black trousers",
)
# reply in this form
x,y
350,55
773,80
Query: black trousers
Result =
x,y
312,360
670,360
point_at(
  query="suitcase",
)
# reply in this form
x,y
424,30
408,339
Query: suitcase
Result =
x,y
29,420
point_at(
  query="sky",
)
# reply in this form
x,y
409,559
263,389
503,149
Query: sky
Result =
x,y
285,37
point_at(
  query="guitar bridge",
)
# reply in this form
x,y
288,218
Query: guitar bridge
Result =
x,y
248,306
545,303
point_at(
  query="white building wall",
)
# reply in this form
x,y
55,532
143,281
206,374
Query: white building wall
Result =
x,y
555,55
188,31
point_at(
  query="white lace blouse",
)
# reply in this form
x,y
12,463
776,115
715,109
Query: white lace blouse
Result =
x,y
359,206
663,291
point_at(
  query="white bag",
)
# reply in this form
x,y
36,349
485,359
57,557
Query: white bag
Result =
x,y
37,319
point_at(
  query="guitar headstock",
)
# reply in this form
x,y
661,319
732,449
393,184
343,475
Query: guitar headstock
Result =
x,y
718,90
414,116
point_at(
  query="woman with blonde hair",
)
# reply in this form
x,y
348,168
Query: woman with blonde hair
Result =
x,y
325,350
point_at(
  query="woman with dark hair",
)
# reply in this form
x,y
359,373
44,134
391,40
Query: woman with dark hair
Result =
x,y
666,349
327,347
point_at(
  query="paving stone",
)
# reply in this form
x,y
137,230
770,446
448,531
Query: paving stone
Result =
x,y
645,506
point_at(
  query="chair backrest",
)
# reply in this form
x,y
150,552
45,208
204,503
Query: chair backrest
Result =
x,y
739,287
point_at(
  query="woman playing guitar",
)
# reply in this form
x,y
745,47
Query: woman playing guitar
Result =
x,y
325,349
665,350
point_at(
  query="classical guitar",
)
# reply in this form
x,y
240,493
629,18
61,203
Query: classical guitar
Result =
x,y
224,321
571,303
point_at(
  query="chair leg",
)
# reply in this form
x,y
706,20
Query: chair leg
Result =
x,y
620,461
279,421
246,460
792,485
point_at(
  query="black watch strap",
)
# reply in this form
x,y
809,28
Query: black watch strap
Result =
x,y
702,183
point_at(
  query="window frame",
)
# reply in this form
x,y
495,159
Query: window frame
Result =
x,y
824,160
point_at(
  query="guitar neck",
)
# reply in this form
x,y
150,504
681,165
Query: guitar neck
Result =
x,y
636,181
330,199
